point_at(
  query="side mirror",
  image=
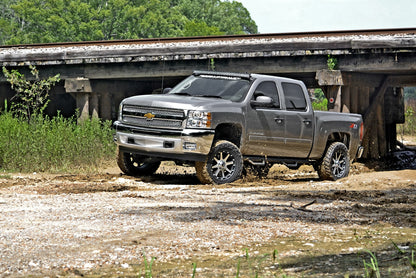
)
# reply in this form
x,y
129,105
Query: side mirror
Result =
x,y
166,90
262,101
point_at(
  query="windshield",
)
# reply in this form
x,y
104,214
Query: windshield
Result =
x,y
229,88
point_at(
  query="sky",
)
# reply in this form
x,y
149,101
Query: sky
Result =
x,y
283,16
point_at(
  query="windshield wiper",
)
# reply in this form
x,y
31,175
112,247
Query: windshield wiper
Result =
x,y
191,95
207,96
181,94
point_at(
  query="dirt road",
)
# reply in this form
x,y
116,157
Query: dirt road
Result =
x,y
287,224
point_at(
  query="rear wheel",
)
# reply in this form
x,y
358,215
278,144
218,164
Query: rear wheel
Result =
x,y
224,164
134,164
336,162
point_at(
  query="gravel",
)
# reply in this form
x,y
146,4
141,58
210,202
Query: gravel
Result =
x,y
65,231
49,224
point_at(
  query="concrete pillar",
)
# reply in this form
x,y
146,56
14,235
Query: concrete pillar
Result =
x,y
83,105
94,107
80,88
331,82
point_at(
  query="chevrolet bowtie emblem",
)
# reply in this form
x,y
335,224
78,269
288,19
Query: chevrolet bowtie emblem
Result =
x,y
149,116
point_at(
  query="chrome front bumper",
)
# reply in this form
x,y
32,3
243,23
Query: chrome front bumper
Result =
x,y
187,142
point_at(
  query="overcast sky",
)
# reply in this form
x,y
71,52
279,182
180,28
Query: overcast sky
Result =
x,y
281,16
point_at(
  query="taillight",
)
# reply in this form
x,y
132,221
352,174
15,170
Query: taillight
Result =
x,y
361,131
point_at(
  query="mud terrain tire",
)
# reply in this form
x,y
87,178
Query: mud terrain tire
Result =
x,y
336,162
134,164
224,164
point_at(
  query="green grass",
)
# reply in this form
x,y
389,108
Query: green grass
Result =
x,y
390,261
409,127
55,144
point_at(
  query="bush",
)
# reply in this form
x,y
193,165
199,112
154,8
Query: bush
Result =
x,y
54,144
409,127
319,100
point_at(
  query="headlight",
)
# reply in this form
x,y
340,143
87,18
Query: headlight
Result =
x,y
198,119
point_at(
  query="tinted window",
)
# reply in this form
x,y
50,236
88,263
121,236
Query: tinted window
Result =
x,y
294,97
268,88
234,89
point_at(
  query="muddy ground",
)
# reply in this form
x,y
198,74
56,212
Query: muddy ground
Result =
x,y
289,224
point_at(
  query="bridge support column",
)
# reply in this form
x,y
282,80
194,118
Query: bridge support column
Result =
x,y
331,82
81,90
94,109
83,105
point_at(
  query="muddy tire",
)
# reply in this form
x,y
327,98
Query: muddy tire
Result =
x,y
134,164
224,164
336,162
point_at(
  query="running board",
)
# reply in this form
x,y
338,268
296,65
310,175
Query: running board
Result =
x,y
292,163
261,162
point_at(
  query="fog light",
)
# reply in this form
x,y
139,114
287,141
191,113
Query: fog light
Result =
x,y
189,146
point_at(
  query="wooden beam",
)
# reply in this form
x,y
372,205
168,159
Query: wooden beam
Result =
x,y
374,124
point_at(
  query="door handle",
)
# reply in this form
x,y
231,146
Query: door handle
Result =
x,y
307,122
278,120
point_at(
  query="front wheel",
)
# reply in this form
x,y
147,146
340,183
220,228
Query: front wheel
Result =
x,y
134,164
224,164
336,162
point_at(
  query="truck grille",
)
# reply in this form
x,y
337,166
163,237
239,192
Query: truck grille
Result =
x,y
153,117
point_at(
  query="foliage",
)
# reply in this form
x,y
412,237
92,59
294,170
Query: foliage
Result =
x,y
371,268
199,28
410,93
31,142
148,266
31,97
53,144
320,102
409,127
42,21
332,62
228,17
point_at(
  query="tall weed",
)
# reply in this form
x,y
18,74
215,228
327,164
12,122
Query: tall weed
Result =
x,y
53,144
409,127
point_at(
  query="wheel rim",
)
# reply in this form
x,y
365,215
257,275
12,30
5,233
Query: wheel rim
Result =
x,y
339,164
223,165
133,161
137,162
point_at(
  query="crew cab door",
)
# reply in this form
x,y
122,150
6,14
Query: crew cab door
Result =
x,y
298,117
265,123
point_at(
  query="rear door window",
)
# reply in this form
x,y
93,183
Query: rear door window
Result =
x,y
294,97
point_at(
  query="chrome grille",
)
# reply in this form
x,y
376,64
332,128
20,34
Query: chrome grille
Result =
x,y
153,117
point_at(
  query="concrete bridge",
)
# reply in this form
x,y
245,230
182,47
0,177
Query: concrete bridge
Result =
x,y
373,66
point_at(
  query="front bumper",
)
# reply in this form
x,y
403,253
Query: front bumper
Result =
x,y
182,144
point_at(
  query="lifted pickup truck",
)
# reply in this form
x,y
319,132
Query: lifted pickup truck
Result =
x,y
224,123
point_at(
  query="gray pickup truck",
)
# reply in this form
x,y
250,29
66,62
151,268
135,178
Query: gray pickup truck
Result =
x,y
225,123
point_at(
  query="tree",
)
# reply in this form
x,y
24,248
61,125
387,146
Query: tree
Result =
x,y
410,93
31,97
199,28
42,21
7,23
229,17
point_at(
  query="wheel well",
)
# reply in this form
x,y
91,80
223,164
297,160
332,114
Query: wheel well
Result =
x,y
229,132
339,137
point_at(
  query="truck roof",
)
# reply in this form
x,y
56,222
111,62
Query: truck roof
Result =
x,y
248,76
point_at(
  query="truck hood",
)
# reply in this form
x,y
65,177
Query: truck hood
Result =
x,y
176,101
